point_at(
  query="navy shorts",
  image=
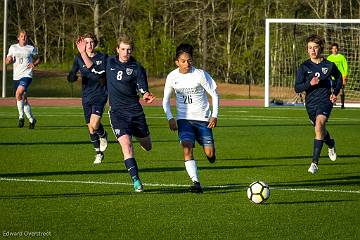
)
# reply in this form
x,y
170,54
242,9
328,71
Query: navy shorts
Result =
x,y
96,108
25,82
191,130
322,108
123,123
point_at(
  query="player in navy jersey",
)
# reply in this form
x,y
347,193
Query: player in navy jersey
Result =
x,y
126,78
314,76
94,92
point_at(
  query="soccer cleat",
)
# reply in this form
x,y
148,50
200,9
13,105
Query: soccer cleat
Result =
x,y
211,159
138,187
332,153
21,122
32,124
196,188
103,143
98,158
313,168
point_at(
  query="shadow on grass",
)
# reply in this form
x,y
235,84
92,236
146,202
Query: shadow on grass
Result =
x,y
150,170
308,202
299,157
65,195
73,142
284,125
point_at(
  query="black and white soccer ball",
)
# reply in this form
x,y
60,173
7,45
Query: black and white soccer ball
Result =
x,y
258,192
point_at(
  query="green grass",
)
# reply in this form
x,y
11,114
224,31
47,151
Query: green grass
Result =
x,y
273,145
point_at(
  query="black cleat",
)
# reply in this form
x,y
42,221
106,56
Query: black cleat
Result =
x,y
211,159
32,125
21,123
196,188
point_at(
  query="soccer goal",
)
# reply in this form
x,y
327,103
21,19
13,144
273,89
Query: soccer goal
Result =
x,y
285,50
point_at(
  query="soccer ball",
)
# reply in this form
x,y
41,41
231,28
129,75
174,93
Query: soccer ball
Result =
x,y
258,192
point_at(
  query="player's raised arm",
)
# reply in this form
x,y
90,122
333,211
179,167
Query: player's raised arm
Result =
x,y
81,46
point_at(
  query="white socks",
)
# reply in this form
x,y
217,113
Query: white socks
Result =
x,y
28,113
191,169
20,106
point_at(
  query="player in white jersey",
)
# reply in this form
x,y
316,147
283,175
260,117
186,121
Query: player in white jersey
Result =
x,y
24,59
194,118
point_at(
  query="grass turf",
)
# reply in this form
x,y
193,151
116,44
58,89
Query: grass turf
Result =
x,y
59,192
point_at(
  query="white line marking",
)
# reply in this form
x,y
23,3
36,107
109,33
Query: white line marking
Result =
x,y
173,185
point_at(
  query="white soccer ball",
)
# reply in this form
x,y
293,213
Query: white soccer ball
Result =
x,y
258,192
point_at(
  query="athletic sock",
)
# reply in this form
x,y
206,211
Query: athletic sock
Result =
x,y
20,106
95,141
191,169
318,144
100,131
132,168
28,113
328,141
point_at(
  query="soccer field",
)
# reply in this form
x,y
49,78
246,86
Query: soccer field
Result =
x,y
50,188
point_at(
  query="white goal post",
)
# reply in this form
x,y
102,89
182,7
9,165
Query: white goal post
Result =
x,y
285,51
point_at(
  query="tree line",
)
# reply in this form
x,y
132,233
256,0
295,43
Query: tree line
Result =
x,y
228,35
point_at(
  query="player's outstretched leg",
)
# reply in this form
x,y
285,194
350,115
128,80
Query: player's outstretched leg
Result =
x,y
191,169
210,154
29,115
343,98
102,137
20,107
132,168
316,155
331,146
99,157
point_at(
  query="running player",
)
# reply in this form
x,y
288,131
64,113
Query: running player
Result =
x,y
194,118
314,76
24,58
94,93
341,63
125,79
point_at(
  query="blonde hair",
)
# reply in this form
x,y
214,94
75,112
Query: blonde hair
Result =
x,y
124,38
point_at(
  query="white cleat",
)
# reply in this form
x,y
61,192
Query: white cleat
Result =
x,y
98,158
103,143
313,168
332,154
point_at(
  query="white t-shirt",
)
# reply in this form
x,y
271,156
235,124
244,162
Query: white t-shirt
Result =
x,y
22,57
191,98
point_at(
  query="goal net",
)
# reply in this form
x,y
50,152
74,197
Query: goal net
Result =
x,y
285,50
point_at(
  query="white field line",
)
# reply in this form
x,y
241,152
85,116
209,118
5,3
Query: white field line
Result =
x,y
172,185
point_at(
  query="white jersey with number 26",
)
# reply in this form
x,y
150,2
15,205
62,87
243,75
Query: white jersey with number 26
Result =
x,y
22,57
191,98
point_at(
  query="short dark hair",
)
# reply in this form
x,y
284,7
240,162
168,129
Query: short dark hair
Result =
x,y
184,48
92,36
316,39
334,45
